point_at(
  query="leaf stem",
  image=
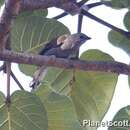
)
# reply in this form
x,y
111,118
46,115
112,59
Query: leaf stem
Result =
x,y
8,68
60,15
94,5
17,81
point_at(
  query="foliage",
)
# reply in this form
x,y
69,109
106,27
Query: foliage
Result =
x,y
60,110
66,97
25,112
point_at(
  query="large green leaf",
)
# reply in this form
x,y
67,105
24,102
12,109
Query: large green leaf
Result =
x,y
60,110
92,92
31,33
26,112
121,120
119,40
118,3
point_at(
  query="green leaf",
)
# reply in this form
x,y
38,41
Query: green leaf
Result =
x,y
127,20
122,117
92,92
119,40
118,4
31,33
26,111
60,110
27,69
59,80
39,12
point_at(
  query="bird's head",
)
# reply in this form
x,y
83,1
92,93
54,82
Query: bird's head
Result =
x,y
69,41
79,38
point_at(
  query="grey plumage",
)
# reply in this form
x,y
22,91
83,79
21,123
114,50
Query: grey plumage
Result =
x,y
66,46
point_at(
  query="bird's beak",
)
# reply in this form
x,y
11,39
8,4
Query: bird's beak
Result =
x,y
84,37
88,38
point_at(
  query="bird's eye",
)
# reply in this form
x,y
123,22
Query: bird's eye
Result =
x,y
81,37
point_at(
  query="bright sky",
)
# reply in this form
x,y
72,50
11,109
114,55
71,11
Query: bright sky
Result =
x,y
98,33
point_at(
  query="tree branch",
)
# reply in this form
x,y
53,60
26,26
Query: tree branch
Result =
x,y
67,5
11,9
79,4
103,66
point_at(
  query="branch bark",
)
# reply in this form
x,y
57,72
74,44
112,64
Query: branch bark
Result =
x,y
67,5
103,66
11,9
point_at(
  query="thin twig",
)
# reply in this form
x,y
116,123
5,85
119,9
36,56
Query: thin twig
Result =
x,y
60,15
94,5
17,81
91,16
8,68
80,21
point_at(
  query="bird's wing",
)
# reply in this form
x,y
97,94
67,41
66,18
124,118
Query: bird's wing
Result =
x,y
48,46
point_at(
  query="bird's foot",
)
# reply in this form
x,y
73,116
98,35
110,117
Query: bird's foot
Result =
x,y
73,58
34,84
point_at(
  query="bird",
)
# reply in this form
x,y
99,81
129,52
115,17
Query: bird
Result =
x,y
65,46
56,42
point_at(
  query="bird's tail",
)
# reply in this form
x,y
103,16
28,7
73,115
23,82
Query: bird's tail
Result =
x,y
38,77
